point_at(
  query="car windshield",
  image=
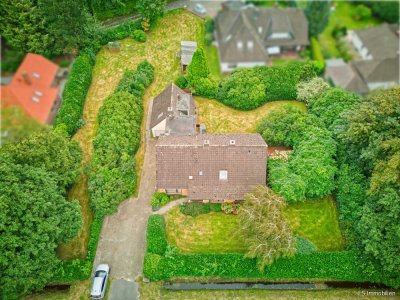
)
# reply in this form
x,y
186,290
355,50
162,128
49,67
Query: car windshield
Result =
x,y
100,274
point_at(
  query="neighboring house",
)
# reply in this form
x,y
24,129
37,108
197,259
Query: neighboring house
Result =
x,y
173,113
248,36
188,48
34,88
211,167
378,48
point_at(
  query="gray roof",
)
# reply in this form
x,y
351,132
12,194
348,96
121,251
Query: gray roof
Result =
x,y
258,25
178,107
343,75
188,162
187,50
381,41
378,70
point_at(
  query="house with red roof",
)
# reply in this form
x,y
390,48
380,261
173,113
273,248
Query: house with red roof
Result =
x,y
34,88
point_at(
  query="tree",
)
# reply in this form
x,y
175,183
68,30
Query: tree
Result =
x,y
268,235
317,13
23,26
307,90
70,24
198,68
16,125
151,10
387,11
361,12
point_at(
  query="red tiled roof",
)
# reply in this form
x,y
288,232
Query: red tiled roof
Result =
x,y
31,87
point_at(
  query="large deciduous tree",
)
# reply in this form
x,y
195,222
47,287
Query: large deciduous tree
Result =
x,y
317,13
267,234
151,10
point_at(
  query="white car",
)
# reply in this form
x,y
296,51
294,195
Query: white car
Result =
x,y
99,285
200,9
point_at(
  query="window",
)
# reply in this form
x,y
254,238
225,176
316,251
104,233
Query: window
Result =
x,y
160,115
190,177
35,99
223,175
200,173
240,45
36,75
228,38
259,29
280,35
38,93
250,45
232,142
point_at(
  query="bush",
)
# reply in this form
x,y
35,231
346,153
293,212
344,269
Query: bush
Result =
x,y
316,53
207,87
195,209
120,32
361,12
139,35
156,236
159,199
74,94
304,246
307,91
181,82
11,59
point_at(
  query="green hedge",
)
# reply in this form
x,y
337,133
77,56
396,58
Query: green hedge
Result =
x,y
195,209
155,235
122,31
112,9
74,95
247,89
316,53
318,265
80,269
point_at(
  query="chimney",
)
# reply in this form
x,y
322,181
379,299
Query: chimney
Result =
x,y
26,78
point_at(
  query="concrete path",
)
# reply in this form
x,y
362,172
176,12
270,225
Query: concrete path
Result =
x,y
123,290
163,210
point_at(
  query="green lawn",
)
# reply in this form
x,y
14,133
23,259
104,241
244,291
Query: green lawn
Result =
x,y
154,291
317,221
342,15
220,118
207,233
213,61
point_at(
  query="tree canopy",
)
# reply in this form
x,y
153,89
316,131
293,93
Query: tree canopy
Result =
x,y
317,13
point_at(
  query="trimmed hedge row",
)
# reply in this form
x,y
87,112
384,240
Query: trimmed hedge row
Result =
x,y
74,95
112,175
156,235
80,269
122,31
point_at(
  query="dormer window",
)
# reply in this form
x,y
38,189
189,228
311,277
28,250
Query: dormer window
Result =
x,y
38,93
280,35
228,38
36,75
35,99
223,175
260,30
250,45
240,45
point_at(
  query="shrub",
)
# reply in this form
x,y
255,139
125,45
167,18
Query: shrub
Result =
x,y
156,236
312,89
361,12
304,246
317,54
64,63
152,266
139,35
74,94
120,32
159,199
195,209
207,87
181,82
198,68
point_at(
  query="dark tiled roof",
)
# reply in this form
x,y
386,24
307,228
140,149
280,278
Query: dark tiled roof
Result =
x,y
166,106
380,41
257,25
188,162
378,70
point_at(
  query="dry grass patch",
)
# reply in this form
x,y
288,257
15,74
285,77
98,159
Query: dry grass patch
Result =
x,y
160,50
206,233
220,118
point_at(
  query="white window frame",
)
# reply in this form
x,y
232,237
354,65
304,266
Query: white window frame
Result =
x,y
223,175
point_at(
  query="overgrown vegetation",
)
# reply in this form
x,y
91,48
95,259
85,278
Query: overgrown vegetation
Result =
x,y
156,237
112,173
195,209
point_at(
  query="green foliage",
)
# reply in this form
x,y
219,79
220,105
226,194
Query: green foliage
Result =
x,y
304,246
198,68
247,89
156,236
316,53
207,87
139,35
309,90
35,217
331,103
159,199
317,13
312,160
11,59
120,32
74,94
181,82
112,172
151,9
195,209
318,265
106,9
387,11
361,12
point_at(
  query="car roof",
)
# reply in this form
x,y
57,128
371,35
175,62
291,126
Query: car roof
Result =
x,y
103,267
97,285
